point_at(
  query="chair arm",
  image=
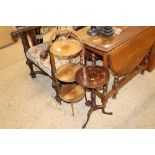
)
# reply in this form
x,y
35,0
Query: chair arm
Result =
x,y
44,54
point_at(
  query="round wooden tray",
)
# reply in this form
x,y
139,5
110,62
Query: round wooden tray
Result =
x,y
65,48
71,93
66,72
92,76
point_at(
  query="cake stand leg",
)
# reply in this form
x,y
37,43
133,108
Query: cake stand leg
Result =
x,y
72,107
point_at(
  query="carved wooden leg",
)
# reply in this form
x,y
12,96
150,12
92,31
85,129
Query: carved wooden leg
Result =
x,y
57,97
88,116
93,59
104,101
145,62
105,88
142,72
92,103
116,79
114,96
88,102
30,64
104,112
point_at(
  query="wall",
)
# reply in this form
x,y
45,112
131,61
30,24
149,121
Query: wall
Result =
x,y
5,35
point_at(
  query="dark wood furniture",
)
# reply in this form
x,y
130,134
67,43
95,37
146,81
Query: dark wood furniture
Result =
x,y
92,78
24,32
36,38
119,50
41,54
129,51
65,46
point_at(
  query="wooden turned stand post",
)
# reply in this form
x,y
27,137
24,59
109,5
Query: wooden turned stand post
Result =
x,y
93,77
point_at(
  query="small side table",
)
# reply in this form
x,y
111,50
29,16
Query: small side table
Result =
x,y
93,77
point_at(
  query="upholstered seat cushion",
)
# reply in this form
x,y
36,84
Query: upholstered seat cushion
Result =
x,y
34,55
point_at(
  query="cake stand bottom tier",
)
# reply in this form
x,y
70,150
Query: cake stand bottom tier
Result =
x,y
71,93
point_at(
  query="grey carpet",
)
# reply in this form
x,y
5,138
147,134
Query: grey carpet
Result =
x,y
30,103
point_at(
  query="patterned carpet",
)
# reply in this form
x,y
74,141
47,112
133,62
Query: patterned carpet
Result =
x,y
29,103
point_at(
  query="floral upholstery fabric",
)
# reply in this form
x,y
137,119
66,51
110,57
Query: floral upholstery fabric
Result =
x,y
34,55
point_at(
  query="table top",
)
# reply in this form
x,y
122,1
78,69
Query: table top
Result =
x,y
92,76
121,35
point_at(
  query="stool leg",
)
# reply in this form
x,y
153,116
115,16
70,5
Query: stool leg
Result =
x,y
88,102
108,113
72,107
93,108
88,116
